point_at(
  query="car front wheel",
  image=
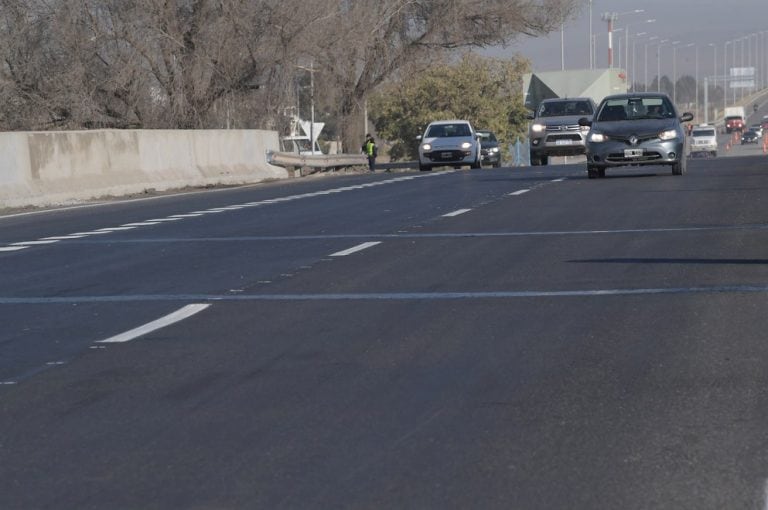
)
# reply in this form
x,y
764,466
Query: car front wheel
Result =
x,y
679,167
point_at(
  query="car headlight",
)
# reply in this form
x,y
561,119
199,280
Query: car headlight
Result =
x,y
597,137
466,145
537,128
426,147
669,134
494,150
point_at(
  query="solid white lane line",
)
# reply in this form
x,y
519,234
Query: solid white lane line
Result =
x,y
113,229
32,243
59,238
166,219
12,248
91,233
171,318
141,224
355,249
456,213
185,215
519,192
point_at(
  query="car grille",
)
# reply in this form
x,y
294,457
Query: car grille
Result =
x,y
447,155
573,137
640,138
570,127
618,157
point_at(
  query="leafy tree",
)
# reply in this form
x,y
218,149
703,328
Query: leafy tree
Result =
x,y
485,91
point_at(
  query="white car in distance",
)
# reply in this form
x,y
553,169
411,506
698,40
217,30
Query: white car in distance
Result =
x,y
449,143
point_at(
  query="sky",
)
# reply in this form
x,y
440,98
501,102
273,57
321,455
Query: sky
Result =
x,y
696,24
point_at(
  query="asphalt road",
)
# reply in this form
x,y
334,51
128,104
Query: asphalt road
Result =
x,y
516,339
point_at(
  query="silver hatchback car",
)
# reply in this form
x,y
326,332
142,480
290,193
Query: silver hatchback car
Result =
x,y
635,129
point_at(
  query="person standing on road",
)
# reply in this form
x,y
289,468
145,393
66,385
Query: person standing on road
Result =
x,y
370,150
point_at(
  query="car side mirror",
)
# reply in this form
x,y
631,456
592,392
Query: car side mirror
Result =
x,y
584,121
530,116
686,117
418,137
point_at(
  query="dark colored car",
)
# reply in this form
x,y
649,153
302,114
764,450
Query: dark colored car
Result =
x,y
633,130
490,153
555,129
750,136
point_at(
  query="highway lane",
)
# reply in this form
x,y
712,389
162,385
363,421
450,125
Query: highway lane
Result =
x,y
518,338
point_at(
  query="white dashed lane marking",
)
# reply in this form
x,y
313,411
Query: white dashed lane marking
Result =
x,y
519,192
355,249
456,213
178,315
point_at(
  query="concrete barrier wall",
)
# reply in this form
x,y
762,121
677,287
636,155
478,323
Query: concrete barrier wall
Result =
x,y
52,168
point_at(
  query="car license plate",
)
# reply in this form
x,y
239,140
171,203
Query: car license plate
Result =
x,y
446,155
563,142
633,153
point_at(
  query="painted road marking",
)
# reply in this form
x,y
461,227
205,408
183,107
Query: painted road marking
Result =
x,y
234,207
113,229
456,213
561,179
355,249
33,243
171,318
384,296
519,192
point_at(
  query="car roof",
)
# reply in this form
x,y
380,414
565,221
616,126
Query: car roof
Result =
x,y
638,95
455,121
555,99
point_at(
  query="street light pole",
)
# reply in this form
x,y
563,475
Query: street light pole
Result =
x,y
674,71
645,73
658,64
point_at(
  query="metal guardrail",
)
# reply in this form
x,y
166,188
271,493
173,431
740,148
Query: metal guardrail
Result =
x,y
289,159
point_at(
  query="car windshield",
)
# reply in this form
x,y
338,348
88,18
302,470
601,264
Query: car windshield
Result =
x,y
487,136
448,130
564,108
636,108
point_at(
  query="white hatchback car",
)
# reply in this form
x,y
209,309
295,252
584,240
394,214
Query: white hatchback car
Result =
x,y
449,143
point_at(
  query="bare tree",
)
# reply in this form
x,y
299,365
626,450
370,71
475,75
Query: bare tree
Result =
x,y
359,44
220,63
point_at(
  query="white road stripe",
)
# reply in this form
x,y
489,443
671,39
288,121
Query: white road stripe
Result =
x,y
93,232
456,213
519,192
162,322
561,179
12,248
166,219
355,249
141,224
185,215
59,238
113,229
32,243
